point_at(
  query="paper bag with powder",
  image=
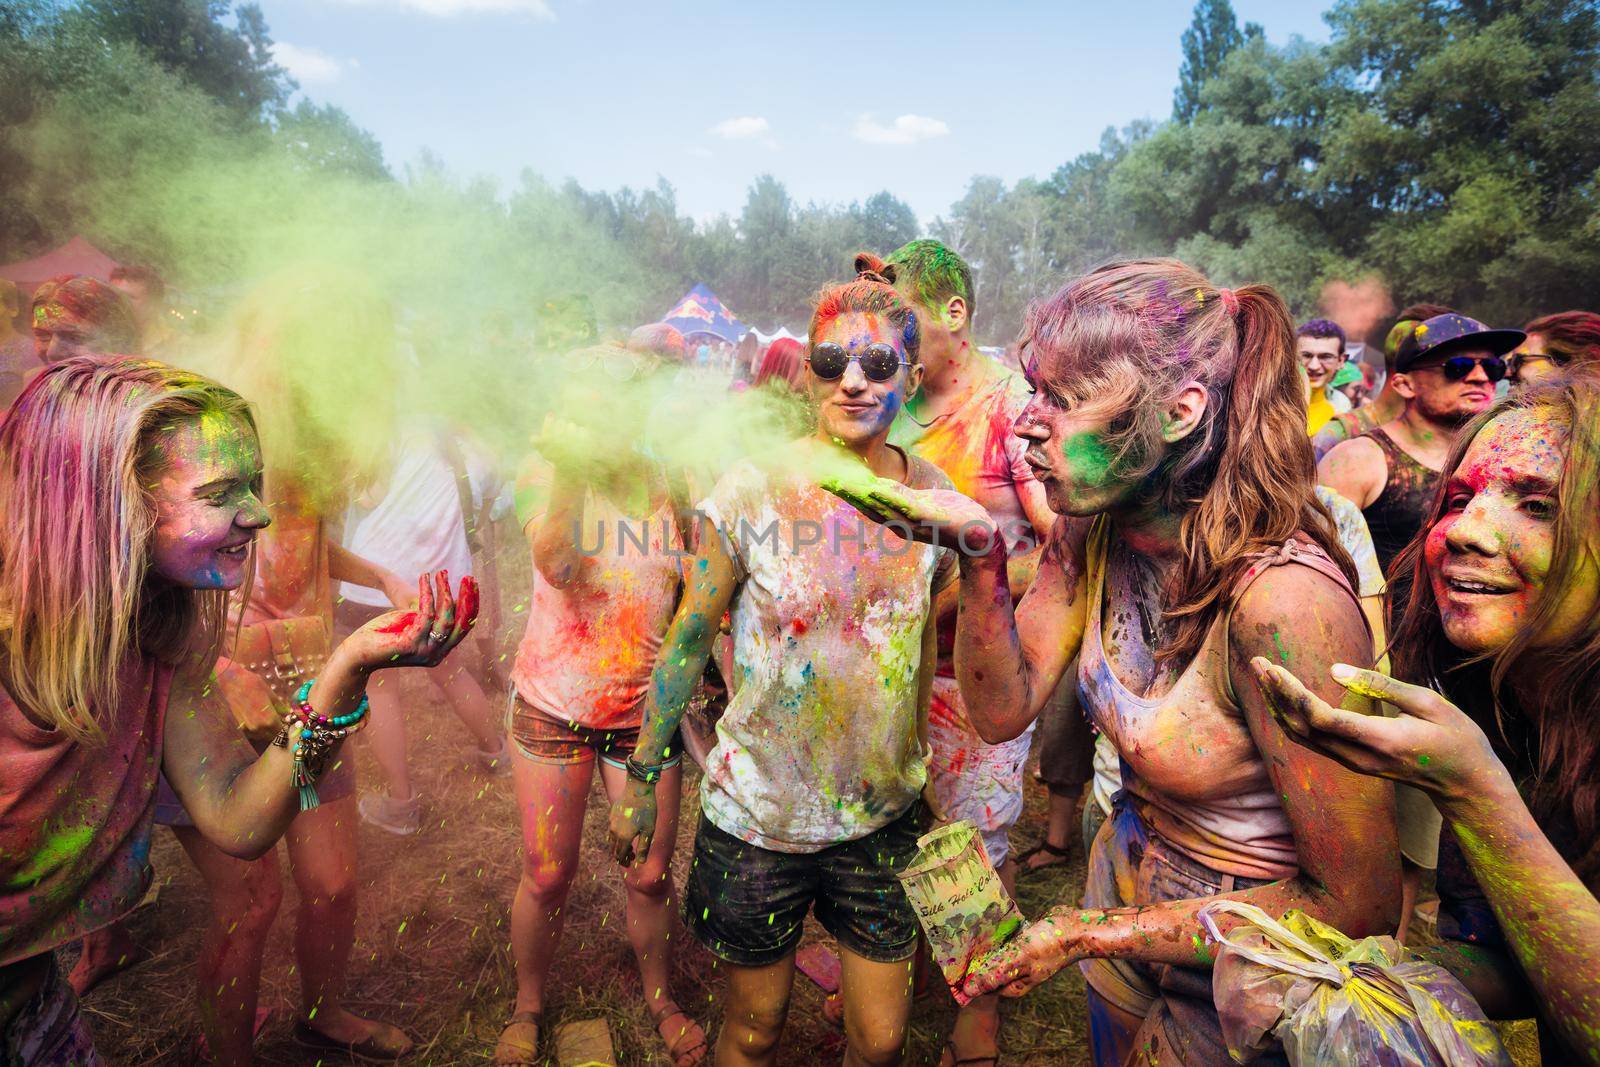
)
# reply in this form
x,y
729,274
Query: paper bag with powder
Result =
x,y
963,908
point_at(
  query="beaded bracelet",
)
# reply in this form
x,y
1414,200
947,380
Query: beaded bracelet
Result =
x,y
316,738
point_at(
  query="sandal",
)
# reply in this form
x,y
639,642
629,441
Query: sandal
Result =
x,y
515,1047
1062,854
682,1056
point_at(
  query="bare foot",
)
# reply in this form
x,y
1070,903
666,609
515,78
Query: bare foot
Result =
x,y
368,1038
1044,854
106,952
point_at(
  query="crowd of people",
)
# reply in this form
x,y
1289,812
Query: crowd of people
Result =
x,y
1183,558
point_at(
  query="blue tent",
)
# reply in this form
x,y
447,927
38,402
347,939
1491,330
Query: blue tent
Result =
x,y
700,312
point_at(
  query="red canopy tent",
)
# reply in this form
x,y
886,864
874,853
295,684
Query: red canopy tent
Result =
x,y
77,256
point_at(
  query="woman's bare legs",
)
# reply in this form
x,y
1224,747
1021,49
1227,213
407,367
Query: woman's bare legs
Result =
x,y
322,857
244,902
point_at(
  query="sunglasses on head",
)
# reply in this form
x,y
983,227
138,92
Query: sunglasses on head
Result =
x,y
1456,368
879,362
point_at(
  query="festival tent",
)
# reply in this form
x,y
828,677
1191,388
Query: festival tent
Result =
x,y
77,256
781,332
700,312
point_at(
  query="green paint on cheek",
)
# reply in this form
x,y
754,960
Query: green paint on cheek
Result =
x,y
1423,761
1283,653
1087,457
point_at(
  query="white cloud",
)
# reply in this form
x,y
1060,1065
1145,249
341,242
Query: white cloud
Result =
x,y
741,128
538,9
907,129
307,65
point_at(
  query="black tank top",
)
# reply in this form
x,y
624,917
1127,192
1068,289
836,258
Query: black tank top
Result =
x,y
1396,516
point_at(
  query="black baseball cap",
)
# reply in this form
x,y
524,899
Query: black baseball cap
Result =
x,y
1449,333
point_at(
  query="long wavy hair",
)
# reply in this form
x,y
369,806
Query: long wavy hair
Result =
x,y
1123,341
77,450
1562,728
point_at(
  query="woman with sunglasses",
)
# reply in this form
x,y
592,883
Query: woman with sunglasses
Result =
x,y
812,795
1556,344
1445,371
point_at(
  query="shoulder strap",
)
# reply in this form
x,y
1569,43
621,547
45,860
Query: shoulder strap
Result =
x,y
1294,550
469,512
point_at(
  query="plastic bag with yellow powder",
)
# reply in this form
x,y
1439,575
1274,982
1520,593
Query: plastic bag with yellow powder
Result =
x,y
1332,1001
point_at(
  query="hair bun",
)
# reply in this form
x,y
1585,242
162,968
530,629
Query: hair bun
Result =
x,y
873,269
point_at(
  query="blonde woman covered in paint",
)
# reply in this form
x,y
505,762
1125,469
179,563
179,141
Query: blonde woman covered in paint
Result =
x,y
299,346
107,660
607,553
1502,730
813,794
1168,427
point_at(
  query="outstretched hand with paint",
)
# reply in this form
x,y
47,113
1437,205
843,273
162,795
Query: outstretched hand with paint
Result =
x,y
940,517
1034,955
419,637
1432,744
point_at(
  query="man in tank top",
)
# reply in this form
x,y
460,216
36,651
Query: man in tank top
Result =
x,y
1446,371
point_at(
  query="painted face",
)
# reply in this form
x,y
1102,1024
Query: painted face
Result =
x,y
1320,356
208,505
853,409
58,334
1532,362
1068,455
1489,554
1445,402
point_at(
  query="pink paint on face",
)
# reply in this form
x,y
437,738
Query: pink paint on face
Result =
x,y
1488,556
854,409
207,500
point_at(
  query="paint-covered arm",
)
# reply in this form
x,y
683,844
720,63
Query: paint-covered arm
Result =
x,y
346,566
1550,918
1010,659
553,535
1343,823
926,667
1356,470
709,587
1036,506
242,804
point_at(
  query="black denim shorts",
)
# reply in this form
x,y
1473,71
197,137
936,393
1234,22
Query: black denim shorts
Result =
x,y
748,905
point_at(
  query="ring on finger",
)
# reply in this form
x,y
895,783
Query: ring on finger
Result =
x,y
435,635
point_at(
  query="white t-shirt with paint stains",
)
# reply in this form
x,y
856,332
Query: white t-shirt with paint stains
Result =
x,y
819,744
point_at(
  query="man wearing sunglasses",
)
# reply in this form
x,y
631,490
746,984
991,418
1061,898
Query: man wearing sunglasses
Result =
x,y
1446,371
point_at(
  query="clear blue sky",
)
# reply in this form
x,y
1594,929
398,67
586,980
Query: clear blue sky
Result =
x,y
837,99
